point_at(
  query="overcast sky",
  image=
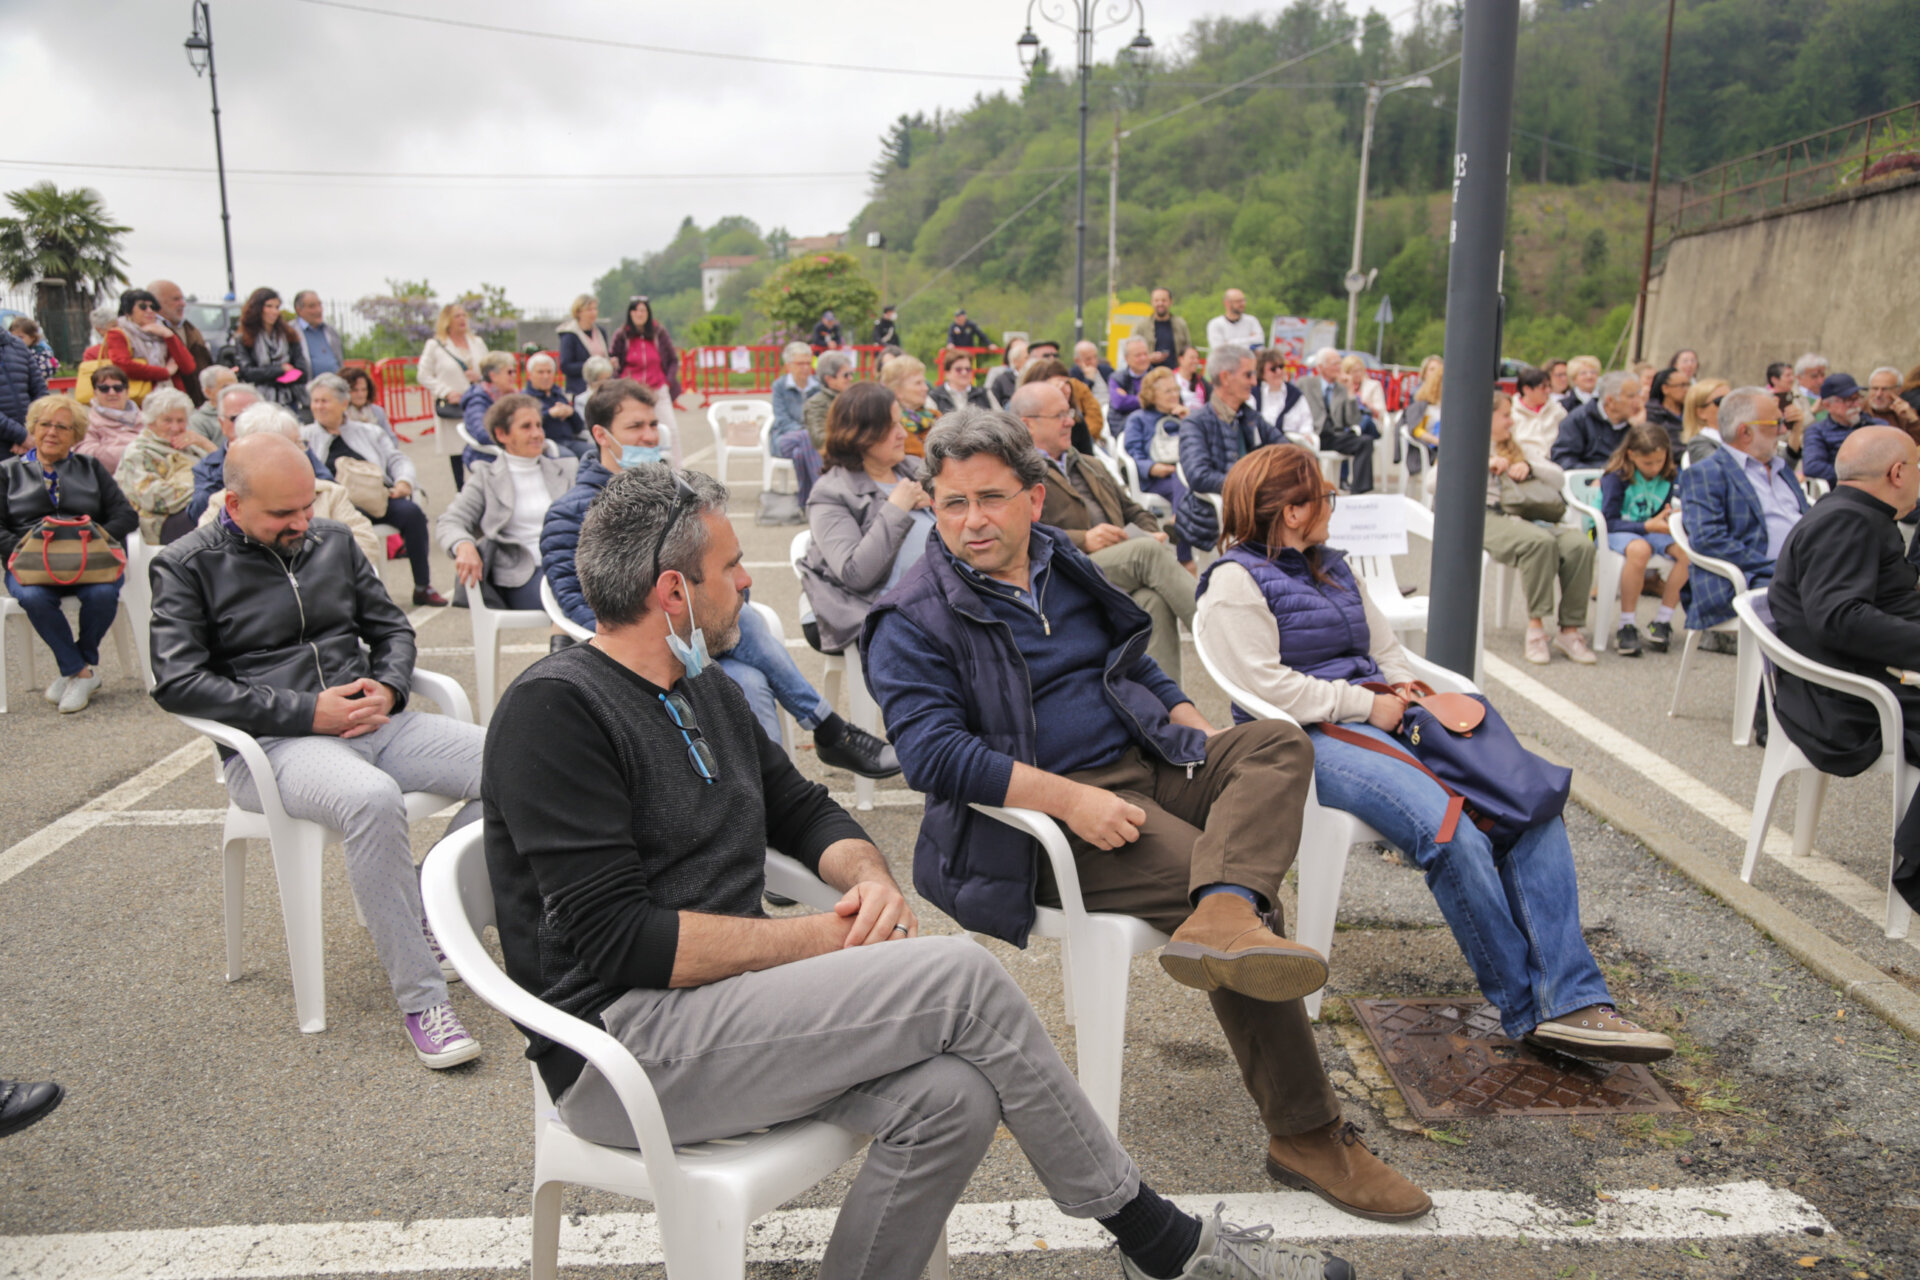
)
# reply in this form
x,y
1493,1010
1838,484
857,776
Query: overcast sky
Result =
x,y
306,87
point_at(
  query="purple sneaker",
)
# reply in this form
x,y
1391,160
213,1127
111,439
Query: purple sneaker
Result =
x,y
447,970
438,1038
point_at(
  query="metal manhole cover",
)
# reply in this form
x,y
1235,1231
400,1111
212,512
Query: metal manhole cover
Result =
x,y
1450,1059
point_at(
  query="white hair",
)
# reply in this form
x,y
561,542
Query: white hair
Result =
x,y
542,361
161,401
334,385
1610,386
1809,362
1144,344
210,375
235,389
1225,359
1323,355
795,351
1885,368
268,418
596,368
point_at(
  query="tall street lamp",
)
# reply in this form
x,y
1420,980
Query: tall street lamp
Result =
x,y
1080,17
1358,280
200,58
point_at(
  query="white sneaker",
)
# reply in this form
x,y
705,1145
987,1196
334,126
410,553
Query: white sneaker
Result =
x,y
79,692
57,688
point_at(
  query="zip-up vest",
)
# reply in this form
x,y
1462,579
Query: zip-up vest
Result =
x,y
1323,627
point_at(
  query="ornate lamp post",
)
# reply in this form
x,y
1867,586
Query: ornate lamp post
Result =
x,y
1082,18
200,58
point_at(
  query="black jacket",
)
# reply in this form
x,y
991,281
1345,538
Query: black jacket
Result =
x,y
966,335
942,397
86,489
885,332
1843,594
247,638
1658,415
1586,438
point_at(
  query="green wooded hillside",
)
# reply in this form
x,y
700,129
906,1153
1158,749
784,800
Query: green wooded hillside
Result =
x,y
1256,188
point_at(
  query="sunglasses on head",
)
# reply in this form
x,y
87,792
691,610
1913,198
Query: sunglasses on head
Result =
x,y
684,496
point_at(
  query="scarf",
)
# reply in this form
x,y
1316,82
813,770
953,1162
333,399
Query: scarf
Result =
x,y
919,421
144,346
271,346
109,432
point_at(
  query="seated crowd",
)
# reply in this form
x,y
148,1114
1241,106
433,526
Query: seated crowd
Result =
x,y
1018,612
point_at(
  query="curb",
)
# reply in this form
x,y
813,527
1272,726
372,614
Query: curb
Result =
x,y
1829,960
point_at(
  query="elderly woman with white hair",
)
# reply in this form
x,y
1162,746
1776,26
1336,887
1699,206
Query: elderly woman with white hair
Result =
x,y
558,418
499,376
331,500
156,472
492,529
51,478
582,339
363,458
789,437
596,371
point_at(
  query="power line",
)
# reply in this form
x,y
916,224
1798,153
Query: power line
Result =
x,y
183,170
601,43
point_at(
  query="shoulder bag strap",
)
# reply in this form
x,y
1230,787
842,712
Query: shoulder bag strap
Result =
x,y
1456,803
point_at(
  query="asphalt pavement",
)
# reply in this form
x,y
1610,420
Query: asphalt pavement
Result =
x,y
196,1105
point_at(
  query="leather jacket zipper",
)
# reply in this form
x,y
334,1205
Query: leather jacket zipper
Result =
x,y
300,604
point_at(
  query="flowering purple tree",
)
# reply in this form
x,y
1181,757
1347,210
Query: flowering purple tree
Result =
x,y
404,316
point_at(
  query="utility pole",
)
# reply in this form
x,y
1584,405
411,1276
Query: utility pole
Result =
x,y
1113,224
1083,26
1477,229
1653,194
1357,280
200,58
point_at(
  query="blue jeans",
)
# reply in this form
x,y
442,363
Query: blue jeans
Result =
x,y
765,672
1515,914
1170,488
797,447
99,603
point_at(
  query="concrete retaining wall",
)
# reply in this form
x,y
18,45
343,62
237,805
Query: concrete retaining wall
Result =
x,y
1833,275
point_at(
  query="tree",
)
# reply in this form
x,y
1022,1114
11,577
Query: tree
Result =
x,y
64,243
794,296
402,319
491,313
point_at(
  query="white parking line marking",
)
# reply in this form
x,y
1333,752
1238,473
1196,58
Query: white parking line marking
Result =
x,y
1731,1210
1821,872
58,833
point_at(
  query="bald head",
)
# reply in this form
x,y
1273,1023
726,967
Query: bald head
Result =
x,y
1881,461
173,303
270,489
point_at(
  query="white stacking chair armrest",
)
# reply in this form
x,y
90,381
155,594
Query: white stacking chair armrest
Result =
x,y
551,603
253,755
1885,704
788,878
1443,679
1066,874
446,692
1571,489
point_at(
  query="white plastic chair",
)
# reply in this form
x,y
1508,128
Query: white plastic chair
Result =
x,y
488,623
722,414
1817,489
1212,499
1783,758
705,1195
128,646
1407,615
466,437
136,603
771,463
789,730
1746,674
1582,491
1407,445
1096,949
1326,835
1130,473
297,845
843,674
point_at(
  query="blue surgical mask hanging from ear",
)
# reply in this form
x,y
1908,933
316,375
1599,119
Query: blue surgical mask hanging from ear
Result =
x,y
634,455
691,654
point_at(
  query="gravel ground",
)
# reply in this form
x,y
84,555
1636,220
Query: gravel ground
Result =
x,y
194,1102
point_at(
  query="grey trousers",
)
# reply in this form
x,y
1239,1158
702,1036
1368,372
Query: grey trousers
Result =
x,y
926,1044
354,787
1149,571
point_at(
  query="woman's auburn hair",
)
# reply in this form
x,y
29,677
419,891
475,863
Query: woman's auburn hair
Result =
x,y
1259,489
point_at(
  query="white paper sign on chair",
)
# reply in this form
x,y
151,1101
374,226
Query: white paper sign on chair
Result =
x,y
1369,525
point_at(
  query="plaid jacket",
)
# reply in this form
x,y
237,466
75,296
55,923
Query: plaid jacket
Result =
x,y
1723,519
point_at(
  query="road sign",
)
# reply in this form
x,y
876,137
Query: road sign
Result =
x,y
1385,314
1356,281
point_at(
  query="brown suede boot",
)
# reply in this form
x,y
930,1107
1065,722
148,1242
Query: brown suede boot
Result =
x,y
1334,1164
1225,943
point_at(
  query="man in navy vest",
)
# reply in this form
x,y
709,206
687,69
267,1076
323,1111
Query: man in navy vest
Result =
x,y
1013,673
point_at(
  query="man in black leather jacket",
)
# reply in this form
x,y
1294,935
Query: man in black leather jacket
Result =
x,y
259,622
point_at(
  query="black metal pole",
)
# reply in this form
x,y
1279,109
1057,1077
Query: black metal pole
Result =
x,y
1481,161
205,14
1653,194
1080,226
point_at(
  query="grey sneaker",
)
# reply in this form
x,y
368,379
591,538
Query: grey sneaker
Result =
x,y
78,693
1229,1252
57,689
447,970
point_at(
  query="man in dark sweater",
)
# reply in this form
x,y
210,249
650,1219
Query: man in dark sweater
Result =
x,y
629,801
1012,673
1844,594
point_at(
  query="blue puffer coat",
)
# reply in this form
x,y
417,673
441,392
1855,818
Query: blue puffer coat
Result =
x,y
561,534
21,383
1323,626
1208,449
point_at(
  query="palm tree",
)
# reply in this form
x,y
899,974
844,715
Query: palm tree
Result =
x,y
65,245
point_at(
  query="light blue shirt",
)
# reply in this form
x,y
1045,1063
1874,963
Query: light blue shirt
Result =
x,y
320,355
1778,502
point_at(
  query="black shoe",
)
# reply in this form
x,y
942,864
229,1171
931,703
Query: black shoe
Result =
x,y
427,595
1627,641
773,899
859,752
556,643
1659,636
22,1104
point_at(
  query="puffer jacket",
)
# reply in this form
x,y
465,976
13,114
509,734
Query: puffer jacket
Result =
x,y
561,534
246,637
1323,627
20,385
1208,449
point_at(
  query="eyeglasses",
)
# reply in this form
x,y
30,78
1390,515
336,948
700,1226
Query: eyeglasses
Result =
x,y
684,496
699,751
990,504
